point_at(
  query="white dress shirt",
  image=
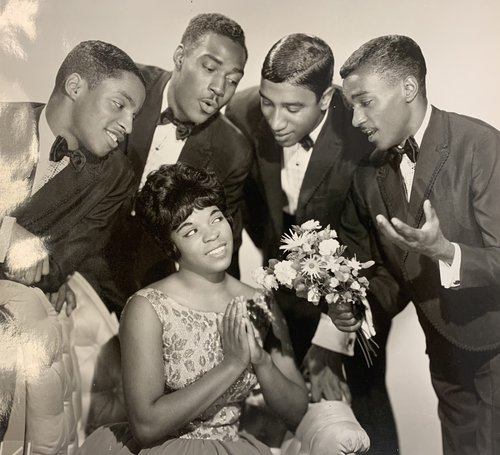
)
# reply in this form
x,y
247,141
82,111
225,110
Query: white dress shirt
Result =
x,y
165,148
46,169
293,169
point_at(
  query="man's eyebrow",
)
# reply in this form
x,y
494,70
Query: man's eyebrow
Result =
x,y
220,62
127,96
357,95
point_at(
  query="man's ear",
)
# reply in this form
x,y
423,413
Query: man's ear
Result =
x,y
73,85
179,54
325,99
411,88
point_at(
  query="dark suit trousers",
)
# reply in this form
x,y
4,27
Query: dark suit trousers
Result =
x,y
468,388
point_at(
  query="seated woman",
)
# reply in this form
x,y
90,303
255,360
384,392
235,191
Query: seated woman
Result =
x,y
192,342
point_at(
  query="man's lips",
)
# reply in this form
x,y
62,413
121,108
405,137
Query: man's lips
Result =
x,y
115,136
369,132
209,106
280,137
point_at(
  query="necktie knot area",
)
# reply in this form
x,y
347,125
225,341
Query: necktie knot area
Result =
x,y
182,129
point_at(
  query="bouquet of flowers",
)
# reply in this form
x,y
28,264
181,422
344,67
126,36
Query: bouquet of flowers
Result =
x,y
315,267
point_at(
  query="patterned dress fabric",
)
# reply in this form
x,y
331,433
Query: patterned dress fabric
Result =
x,y
191,347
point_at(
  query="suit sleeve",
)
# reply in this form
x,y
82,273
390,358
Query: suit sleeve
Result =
x,y
359,235
85,242
234,182
481,264
254,204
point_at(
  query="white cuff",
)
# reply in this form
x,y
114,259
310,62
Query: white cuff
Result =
x,y
5,235
450,274
329,337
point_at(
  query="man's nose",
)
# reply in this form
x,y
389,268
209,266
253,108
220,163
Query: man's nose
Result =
x,y
358,117
277,120
126,122
218,85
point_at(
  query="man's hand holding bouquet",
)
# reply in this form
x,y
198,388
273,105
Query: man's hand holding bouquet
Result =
x,y
316,268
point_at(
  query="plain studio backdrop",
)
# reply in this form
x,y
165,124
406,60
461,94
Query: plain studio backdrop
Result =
x,y
460,40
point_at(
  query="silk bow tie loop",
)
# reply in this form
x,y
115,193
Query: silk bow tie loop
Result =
x,y
306,142
182,129
60,149
410,149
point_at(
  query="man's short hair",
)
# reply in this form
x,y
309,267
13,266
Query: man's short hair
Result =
x,y
301,60
203,24
95,61
394,57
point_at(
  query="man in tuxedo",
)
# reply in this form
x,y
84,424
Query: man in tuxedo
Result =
x,y
426,210
62,175
180,121
305,151
62,180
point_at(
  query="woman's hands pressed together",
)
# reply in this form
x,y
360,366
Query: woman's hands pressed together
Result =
x,y
239,342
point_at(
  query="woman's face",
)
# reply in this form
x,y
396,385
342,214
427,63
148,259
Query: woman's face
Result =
x,y
205,241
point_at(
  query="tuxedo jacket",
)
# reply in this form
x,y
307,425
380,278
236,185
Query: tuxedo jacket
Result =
x,y
216,144
335,155
458,169
74,210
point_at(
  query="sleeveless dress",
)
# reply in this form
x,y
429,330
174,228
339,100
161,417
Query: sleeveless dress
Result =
x,y
191,347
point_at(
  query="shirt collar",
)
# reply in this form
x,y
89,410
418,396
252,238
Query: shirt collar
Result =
x,y
315,133
419,135
164,101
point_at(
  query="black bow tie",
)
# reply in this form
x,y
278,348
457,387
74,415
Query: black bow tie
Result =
x,y
306,142
410,149
182,129
78,157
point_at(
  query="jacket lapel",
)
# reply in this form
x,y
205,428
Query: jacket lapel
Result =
x,y
433,153
326,150
197,151
139,142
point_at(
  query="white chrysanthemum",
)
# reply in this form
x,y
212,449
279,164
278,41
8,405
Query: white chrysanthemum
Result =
x,y
354,264
332,264
292,241
311,266
328,247
284,272
259,276
310,225
270,282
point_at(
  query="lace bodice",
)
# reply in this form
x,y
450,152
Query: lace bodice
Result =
x,y
191,347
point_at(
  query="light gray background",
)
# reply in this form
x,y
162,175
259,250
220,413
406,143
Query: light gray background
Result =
x,y
460,40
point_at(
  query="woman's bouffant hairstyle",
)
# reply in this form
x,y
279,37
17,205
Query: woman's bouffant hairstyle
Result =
x,y
170,195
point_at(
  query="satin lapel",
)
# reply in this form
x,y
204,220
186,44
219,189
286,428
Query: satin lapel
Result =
x,y
139,142
433,154
392,190
326,150
269,158
198,149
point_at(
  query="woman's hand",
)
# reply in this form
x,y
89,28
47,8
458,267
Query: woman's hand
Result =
x,y
257,353
233,334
